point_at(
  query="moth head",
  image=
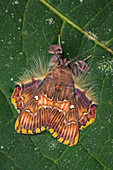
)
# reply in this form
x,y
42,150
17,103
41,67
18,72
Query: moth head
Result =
x,y
57,59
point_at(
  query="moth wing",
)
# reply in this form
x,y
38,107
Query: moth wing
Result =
x,y
23,92
63,124
86,109
29,103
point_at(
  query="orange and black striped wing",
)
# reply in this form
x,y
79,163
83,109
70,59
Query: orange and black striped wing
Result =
x,y
29,103
35,118
86,109
23,92
63,123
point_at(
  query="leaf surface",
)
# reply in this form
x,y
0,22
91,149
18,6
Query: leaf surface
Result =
x,y
28,28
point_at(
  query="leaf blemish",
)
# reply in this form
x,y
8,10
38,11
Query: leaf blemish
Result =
x,y
106,66
2,147
50,21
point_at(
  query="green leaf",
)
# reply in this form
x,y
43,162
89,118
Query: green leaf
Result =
x,y
27,29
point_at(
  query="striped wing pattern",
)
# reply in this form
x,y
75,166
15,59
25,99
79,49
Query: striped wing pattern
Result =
x,y
54,103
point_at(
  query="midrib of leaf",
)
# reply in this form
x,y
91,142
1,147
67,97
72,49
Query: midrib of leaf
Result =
x,y
64,18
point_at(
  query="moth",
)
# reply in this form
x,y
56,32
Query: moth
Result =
x,y
54,101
